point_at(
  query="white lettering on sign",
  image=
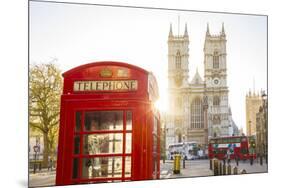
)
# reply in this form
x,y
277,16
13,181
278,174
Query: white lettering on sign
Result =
x,y
110,85
227,145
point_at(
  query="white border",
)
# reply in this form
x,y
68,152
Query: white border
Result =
x,y
13,158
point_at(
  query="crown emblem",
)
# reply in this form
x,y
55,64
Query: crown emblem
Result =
x,y
105,73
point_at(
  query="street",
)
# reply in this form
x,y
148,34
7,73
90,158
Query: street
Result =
x,y
43,178
193,168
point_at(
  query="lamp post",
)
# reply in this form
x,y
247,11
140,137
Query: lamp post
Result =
x,y
36,149
205,110
163,140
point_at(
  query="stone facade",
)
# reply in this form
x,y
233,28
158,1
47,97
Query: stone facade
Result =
x,y
262,129
198,109
253,103
233,129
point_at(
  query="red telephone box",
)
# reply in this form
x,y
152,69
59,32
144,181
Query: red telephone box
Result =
x,y
109,128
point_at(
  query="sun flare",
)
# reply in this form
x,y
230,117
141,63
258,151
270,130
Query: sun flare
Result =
x,y
161,104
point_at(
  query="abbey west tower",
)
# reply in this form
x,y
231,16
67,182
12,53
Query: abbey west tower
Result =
x,y
198,108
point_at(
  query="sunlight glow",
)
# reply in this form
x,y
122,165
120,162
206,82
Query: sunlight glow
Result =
x,y
161,104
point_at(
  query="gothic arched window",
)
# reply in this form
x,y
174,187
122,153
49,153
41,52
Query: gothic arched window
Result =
x,y
197,113
216,60
216,101
216,119
178,60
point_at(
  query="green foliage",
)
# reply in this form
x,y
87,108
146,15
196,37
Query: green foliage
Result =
x,y
45,85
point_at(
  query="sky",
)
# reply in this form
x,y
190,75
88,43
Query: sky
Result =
x,y
79,34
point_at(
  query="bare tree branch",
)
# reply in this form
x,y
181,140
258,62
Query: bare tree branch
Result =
x,y
45,88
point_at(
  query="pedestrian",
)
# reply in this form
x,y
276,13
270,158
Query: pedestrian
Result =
x,y
251,159
237,159
228,156
50,163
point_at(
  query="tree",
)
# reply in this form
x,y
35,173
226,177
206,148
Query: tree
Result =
x,y
45,85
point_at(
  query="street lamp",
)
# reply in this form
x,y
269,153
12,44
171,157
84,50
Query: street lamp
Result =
x,y
36,149
205,110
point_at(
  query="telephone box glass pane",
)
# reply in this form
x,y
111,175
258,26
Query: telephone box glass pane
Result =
x,y
129,120
155,121
154,166
154,143
105,167
128,142
103,120
128,167
78,122
75,168
103,143
76,144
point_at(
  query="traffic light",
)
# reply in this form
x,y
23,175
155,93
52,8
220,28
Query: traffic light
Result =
x,y
253,144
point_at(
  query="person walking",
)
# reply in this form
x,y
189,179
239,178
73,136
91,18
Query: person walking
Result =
x,y
237,159
228,156
224,158
50,163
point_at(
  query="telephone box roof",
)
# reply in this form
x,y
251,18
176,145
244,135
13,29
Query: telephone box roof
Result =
x,y
101,63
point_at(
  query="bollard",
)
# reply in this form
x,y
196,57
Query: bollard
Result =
x,y
216,167
224,169
221,168
235,170
229,169
243,171
177,159
251,160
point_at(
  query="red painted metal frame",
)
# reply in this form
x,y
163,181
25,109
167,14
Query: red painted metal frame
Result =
x,y
138,102
81,155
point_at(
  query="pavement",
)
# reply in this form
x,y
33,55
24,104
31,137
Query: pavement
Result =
x,y
42,172
44,177
193,168
255,168
200,168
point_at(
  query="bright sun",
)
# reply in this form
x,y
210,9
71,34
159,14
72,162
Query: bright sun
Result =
x,y
161,104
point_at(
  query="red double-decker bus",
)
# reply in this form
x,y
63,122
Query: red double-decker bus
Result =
x,y
240,147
